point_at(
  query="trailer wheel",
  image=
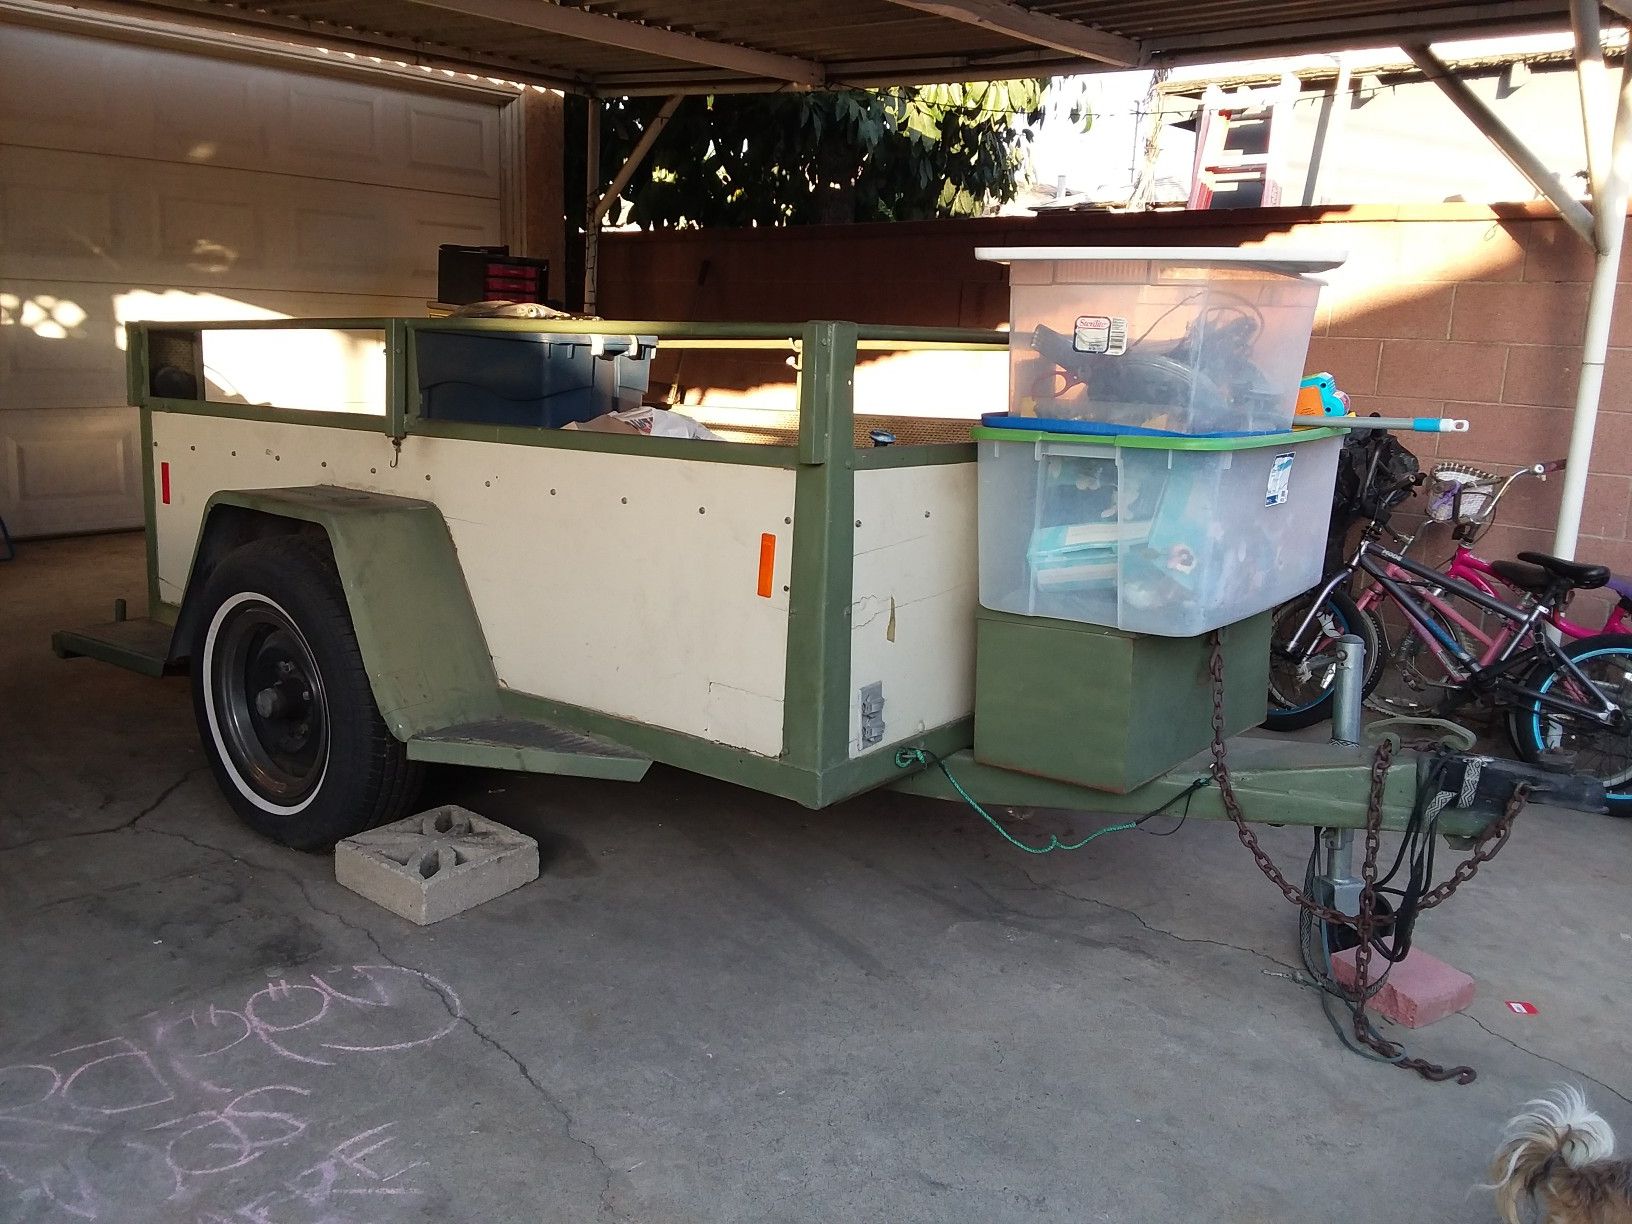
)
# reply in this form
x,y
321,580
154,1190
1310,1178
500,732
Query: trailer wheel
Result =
x,y
283,703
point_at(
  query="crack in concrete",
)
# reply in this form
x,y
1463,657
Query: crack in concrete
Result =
x,y
568,1127
1156,930
127,824
1562,1066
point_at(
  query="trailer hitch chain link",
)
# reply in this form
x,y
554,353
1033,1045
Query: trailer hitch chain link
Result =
x,y
1489,844
1232,804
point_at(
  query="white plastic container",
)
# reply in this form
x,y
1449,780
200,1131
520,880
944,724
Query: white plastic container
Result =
x,y
1191,340
1168,536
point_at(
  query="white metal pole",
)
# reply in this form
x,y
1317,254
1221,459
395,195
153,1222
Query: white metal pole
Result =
x,y
592,220
1609,216
626,173
1592,80
1332,152
1499,134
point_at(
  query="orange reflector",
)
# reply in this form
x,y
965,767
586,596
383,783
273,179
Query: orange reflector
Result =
x,y
767,563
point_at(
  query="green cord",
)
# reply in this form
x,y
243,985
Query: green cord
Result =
x,y
908,757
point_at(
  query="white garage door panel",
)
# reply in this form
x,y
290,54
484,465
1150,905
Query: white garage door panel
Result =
x,y
171,106
170,185
92,217
62,345
61,468
58,347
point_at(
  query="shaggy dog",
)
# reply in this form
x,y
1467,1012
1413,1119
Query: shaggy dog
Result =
x,y
1559,1155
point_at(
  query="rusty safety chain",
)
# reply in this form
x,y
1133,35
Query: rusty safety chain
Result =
x,y
1363,924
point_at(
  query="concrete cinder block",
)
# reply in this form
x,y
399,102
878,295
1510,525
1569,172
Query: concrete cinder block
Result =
x,y
1420,989
436,864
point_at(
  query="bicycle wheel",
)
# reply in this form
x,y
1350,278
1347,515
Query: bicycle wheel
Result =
x,y
1300,691
1411,682
1601,752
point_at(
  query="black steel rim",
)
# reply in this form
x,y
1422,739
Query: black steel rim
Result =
x,y
271,706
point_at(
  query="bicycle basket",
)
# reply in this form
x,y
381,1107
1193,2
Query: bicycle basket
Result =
x,y
1461,493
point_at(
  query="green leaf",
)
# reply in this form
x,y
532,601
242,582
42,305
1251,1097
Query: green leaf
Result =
x,y
796,158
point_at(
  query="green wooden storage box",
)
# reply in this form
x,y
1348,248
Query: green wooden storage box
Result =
x,y
1104,708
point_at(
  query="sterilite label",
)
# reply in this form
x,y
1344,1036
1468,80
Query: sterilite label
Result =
x,y
1106,334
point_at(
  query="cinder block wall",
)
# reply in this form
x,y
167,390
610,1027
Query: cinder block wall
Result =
x,y
1456,309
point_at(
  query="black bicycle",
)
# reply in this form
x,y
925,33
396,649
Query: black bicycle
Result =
x,y
1568,706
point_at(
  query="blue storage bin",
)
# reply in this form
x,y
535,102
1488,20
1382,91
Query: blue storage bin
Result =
x,y
541,379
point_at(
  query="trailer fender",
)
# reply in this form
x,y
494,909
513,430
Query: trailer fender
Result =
x,y
422,644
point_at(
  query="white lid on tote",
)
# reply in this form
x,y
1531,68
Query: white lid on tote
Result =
x,y
1291,260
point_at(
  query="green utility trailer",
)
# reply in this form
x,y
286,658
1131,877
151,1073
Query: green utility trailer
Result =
x,y
360,579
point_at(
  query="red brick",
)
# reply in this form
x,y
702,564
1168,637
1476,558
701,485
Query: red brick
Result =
x,y
1507,539
1617,393
1534,504
1542,374
1420,989
1440,369
1353,363
1531,313
1464,250
1405,311
1502,436
1554,252
1612,443
1620,322
1604,513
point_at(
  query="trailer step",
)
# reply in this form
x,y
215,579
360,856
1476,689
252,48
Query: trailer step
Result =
x,y
141,645
529,746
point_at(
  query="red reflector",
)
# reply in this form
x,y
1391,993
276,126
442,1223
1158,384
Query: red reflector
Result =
x,y
164,483
767,564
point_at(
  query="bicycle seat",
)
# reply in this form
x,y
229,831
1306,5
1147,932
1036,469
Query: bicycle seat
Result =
x,y
1586,577
1523,577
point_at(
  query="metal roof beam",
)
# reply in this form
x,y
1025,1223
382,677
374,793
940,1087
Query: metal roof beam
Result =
x,y
1503,137
203,18
850,74
552,18
1386,29
1002,17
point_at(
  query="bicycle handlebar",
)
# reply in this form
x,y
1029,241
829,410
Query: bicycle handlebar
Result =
x,y
1538,470
1473,530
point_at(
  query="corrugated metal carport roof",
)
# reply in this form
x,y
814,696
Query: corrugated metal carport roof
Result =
x,y
610,47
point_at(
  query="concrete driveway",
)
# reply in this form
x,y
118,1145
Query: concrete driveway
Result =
x,y
715,1006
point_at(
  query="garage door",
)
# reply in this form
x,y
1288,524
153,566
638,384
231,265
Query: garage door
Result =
x,y
140,182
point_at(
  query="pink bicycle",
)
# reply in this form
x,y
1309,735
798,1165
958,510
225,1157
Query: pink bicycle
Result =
x,y
1569,704
1409,679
